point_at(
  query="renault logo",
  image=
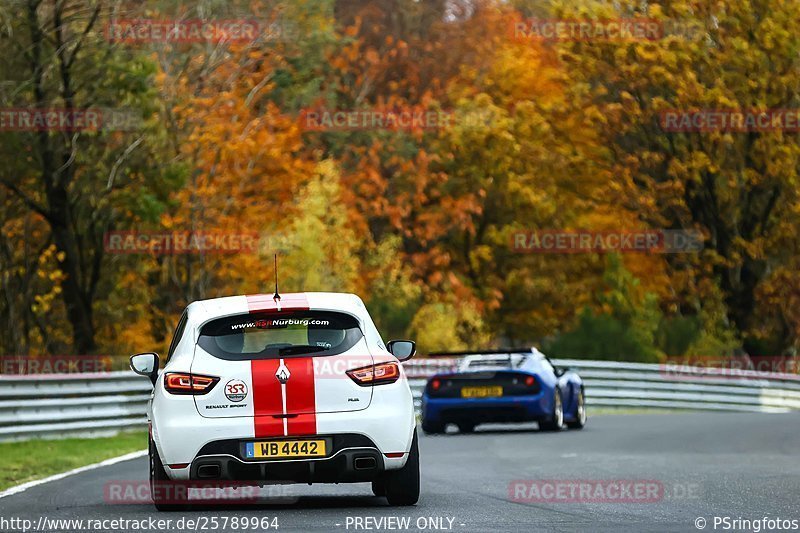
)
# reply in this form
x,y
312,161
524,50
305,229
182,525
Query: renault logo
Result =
x,y
282,374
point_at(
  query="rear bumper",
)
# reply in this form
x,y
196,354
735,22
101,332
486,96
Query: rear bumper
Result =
x,y
352,458
531,408
182,436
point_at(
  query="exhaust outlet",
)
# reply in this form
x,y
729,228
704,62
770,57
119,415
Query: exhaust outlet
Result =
x,y
211,471
364,463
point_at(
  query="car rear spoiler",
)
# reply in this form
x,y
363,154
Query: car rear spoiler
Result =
x,y
502,351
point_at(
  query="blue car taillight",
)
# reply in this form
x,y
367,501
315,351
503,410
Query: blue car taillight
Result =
x,y
512,383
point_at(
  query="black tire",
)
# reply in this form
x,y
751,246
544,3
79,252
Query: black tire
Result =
x,y
402,486
580,414
379,487
466,428
161,487
556,419
432,428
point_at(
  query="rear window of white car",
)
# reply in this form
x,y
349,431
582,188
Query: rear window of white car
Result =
x,y
286,334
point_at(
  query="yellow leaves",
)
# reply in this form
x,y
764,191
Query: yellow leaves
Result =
x,y
48,271
321,250
647,53
753,249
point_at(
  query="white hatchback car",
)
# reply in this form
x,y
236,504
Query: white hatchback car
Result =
x,y
265,390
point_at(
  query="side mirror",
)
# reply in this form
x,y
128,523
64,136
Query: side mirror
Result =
x,y
145,364
403,350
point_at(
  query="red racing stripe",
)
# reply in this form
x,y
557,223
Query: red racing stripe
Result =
x,y
267,395
300,396
267,399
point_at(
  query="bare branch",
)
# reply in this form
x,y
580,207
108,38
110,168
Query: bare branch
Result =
x,y
26,199
82,38
112,175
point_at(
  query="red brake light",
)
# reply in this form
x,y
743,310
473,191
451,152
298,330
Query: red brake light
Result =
x,y
180,383
379,374
435,384
529,381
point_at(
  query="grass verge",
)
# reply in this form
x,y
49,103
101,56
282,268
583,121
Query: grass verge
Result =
x,y
34,459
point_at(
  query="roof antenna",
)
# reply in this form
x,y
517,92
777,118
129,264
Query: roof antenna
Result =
x,y
276,297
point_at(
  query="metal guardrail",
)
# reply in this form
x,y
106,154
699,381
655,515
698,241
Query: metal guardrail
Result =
x,y
92,404
71,404
638,385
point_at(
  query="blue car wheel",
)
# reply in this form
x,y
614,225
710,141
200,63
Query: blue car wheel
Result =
x,y
580,413
556,419
432,428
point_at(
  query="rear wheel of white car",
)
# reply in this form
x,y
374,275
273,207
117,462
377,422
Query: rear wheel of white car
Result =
x,y
402,486
379,487
556,417
466,427
162,489
580,413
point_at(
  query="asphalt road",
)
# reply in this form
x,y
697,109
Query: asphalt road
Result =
x,y
743,466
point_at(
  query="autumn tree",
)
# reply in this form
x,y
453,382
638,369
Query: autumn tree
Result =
x,y
738,188
77,182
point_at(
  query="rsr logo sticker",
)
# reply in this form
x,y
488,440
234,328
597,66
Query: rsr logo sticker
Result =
x,y
236,390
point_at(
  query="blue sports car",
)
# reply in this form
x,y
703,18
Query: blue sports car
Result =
x,y
504,387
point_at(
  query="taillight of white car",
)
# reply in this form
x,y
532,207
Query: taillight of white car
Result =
x,y
379,374
194,384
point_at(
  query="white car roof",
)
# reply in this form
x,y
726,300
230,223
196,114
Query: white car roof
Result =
x,y
201,311
205,310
